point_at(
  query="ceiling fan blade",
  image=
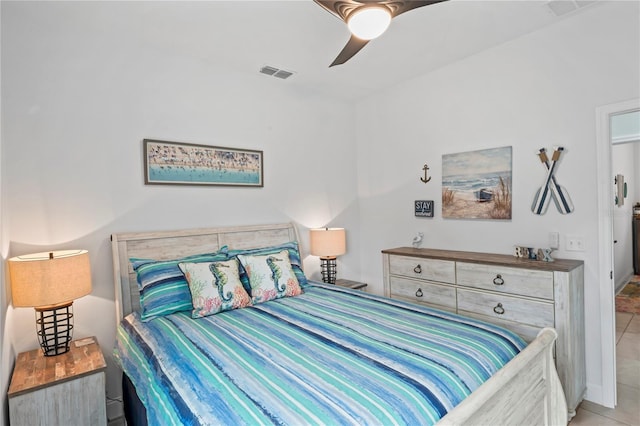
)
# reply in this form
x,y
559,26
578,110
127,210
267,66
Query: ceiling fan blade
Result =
x,y
342,9
410,5
352,47
337,8
327,5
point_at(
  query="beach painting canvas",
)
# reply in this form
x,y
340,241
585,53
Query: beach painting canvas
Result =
x,y
176,163
477,184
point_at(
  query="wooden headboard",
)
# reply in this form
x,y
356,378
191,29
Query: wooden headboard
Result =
x,y
166,245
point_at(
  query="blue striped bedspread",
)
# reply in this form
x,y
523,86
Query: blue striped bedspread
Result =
x,y
329,356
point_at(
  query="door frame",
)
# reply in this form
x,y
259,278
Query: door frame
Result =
x,y
608,392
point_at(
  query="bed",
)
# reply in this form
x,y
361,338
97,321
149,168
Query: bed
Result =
x,y
329,355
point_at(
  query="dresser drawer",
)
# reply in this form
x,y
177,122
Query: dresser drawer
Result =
x,y
521,282
527,332
503,307
437,295
427,269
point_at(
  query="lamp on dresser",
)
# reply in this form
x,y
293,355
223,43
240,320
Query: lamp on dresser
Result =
x,y
50,282
328,243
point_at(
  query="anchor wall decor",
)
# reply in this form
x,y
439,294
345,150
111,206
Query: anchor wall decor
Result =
x,y
550,187
426,178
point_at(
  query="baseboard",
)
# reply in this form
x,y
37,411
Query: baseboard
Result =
x,y
595,394
115,409
621,283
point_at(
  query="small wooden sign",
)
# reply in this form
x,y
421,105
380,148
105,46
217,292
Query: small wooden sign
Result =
x,y
424,208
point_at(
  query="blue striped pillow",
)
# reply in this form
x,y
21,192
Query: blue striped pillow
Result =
x,y
163,286
294,258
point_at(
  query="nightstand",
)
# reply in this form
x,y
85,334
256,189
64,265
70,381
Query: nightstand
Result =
x,y
351,284
67,389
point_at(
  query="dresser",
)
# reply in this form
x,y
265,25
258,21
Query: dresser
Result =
x,y
67,389
519,294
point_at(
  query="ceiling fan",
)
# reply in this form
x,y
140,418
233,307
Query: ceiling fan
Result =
x,y
367,19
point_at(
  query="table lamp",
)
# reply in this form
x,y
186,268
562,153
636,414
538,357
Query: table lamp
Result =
x,y
50,282
328,243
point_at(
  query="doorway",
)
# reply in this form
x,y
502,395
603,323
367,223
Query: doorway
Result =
x,y
625,159
606,267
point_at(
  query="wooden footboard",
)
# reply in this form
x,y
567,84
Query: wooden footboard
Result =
x,y
526,391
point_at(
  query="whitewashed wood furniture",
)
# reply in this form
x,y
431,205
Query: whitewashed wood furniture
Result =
x,y
520,294
66,390
166,245
525,392
356,285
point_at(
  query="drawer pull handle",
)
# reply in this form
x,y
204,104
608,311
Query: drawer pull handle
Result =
x,y
419,293
417,269
498,309
498,280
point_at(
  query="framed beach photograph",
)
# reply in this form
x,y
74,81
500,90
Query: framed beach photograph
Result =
x,y
477,184
177,163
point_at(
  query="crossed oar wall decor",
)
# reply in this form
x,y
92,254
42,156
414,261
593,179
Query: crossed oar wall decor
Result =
x,y
550,187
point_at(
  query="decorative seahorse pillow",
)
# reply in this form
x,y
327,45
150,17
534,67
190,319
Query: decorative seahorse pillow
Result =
x,y
270,276
215,287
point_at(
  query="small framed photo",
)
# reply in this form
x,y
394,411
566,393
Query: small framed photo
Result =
x,y
423,208
177,163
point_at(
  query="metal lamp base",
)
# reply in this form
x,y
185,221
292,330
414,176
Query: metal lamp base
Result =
x,y
55,328
329,269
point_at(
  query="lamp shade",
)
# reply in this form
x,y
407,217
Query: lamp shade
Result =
x,y
49,278
369,22
328,242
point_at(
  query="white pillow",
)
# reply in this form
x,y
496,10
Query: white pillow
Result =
x,y
215,287
270,276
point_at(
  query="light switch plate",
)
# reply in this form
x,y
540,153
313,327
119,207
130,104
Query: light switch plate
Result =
x,y
574,243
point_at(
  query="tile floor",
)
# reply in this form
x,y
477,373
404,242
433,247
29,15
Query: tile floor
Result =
x,y
627,412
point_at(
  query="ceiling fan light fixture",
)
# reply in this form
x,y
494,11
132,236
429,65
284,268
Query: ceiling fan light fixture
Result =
x,y
368,23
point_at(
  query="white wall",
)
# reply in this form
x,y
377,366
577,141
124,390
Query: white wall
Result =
x,y
623,160
75,111
5,367
538,91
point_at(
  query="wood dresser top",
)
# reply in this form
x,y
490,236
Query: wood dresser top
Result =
x,y
564,265
33,370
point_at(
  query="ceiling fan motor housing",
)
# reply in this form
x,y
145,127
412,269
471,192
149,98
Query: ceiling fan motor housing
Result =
x,y
372,17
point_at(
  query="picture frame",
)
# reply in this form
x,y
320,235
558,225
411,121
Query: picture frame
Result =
x,y
179,163
423,208
477,184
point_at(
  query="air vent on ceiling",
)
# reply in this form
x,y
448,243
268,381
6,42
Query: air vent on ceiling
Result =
x,y
276,72
562,7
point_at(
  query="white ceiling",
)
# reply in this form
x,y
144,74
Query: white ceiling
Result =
x,y
300,36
